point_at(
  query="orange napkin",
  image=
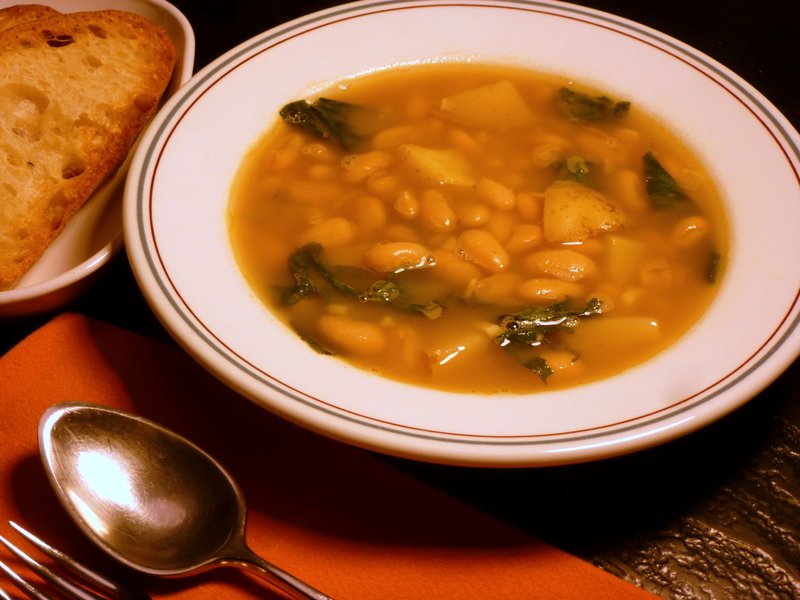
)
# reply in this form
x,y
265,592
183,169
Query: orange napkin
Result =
x,y
336,516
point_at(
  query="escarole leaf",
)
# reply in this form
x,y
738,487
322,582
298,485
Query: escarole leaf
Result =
x,y
327,119
582,107
306,262
662,189
531,327
540,367
301,265
306,116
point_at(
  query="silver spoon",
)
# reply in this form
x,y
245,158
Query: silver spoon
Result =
x,y
150,498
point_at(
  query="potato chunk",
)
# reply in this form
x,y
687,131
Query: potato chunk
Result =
x,y
611,335
573,212
437,166
495,106
624,258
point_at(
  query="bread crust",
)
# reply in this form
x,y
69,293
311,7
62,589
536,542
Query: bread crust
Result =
x,y
75,90
24,13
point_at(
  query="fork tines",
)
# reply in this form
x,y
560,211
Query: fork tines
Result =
x,y
108,587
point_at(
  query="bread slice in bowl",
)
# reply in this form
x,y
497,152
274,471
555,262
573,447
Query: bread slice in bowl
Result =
x,y
75,91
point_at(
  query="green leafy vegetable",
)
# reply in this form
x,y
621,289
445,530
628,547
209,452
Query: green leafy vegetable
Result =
x,y
662,189
530,328
532,325
332,120
539,366
306,116
307,261
301,265
582,107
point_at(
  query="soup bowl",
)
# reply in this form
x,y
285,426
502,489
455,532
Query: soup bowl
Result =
x,y
176,231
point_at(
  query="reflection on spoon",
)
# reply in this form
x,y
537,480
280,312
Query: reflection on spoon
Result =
x,y
148,497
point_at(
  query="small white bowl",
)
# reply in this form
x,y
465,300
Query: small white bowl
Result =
x,y
94,235
176,233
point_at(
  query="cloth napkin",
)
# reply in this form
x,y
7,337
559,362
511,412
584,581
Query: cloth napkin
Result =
x,y
336,516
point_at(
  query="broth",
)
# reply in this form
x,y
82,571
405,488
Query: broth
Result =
x,y
478,228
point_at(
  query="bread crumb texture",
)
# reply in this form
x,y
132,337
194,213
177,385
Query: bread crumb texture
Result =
x,y
75,90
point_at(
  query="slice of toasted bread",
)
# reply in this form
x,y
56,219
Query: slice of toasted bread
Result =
x,y
24,13
75,90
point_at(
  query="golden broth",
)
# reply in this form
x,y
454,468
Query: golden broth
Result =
x,y
472,197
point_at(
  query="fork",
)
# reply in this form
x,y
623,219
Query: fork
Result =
x,y
68,586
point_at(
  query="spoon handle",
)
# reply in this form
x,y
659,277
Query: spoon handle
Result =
x,y
286,582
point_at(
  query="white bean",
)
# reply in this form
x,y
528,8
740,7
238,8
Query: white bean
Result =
x,y
394,257
352,336
483,249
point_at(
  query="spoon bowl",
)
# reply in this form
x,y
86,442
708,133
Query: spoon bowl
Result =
x,y
148,497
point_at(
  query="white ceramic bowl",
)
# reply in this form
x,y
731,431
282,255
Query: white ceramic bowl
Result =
x,y
94,235
178,192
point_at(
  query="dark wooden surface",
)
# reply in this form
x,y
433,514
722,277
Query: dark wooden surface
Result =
x,y
714,515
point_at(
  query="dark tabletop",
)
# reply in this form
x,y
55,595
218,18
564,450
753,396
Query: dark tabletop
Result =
x,y
713,515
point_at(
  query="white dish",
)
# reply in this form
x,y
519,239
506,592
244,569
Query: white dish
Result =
x,y
94,235
181,256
